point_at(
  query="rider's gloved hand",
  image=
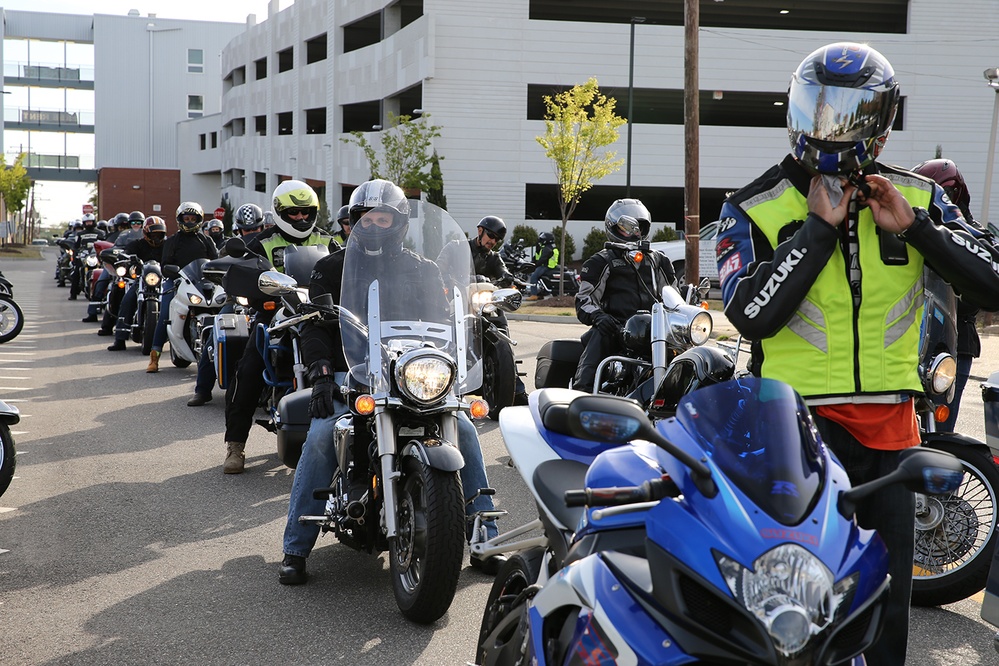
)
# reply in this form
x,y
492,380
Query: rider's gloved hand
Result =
x,y
606,324
324,390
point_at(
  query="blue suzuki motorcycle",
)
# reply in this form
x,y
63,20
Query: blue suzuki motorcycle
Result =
x,y
724,534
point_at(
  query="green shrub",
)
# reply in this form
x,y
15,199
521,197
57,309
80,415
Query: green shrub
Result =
x,y
529,234
594,242
570,245
665,234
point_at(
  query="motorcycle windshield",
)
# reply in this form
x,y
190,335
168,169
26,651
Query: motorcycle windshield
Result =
x,y
758,432
194,270
938,328
300,259
406,287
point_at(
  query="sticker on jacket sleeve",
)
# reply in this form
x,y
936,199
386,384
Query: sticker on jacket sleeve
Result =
x,y
731,265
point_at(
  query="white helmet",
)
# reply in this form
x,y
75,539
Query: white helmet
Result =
x,y
294,195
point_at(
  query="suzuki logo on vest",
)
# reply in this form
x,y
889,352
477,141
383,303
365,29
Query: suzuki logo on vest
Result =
x,y
774,283
978,250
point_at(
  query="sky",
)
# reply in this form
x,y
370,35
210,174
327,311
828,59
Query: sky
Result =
x,y
58,202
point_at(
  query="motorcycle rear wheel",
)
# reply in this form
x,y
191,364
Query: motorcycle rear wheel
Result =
x,y
956,534
149,325
8,457
500,619
425,555
11,319
499,375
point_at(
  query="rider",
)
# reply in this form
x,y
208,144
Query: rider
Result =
x,y
297,206
179,249
969,346
613,286
85,239
822,270
545,260
148,247
343,219
120,225
248,220
379,212
215,231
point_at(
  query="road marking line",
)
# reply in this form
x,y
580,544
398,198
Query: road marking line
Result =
x,y
5,509
19,432
3,550
15,388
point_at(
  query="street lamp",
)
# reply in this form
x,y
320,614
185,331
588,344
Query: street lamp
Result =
x,y
992,77
631,100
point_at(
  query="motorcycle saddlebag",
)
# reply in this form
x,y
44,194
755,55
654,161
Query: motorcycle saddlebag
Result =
x,y
231,334
990,398
557,362
292,423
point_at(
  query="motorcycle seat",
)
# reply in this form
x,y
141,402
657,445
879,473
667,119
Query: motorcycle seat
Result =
x,y
551,479
553,404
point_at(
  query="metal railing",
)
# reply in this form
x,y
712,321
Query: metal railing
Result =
x,y
37,71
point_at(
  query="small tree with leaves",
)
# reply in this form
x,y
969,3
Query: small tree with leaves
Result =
x,y
579,123
14,184
435,194
405,155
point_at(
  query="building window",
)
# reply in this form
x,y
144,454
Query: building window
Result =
x,y
195,106
260,125
215,139
195,61
315,49
238,126
260,67
203,141
361,117
286,59
259,181
315,121
238,178
284,123
361,33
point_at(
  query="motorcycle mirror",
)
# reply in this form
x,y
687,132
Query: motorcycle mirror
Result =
x,y
235,247
273,283
507,300
171,271
920,470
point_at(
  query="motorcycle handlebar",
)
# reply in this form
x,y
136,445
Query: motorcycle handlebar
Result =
x,y
655,489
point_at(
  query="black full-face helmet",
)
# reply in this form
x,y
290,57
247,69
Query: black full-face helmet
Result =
x,y
841,106
379,195
120,221
627,221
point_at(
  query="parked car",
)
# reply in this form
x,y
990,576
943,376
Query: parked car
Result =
x,y
39,241
676,250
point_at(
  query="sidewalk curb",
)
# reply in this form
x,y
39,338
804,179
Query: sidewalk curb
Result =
x,y
547,319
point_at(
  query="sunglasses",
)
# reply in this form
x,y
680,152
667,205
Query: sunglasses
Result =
x,y
491,235
297,211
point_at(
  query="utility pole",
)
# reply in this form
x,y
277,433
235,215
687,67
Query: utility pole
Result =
x,y
691,131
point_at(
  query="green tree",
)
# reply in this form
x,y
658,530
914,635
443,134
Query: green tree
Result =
x,y
227,216
435,194
594,242
14,184
405,155
665,234
579,123
94,198
528,234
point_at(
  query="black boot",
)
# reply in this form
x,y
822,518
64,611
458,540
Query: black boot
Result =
x,y
119,345
292,571
90,319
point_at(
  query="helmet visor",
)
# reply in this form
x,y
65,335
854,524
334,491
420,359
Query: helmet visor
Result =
x,y
628,228
834,113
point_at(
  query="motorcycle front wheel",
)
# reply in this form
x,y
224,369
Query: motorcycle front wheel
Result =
x,y
425,555
8,457
177,361
149,325
499,374
956,533
11,319
498,633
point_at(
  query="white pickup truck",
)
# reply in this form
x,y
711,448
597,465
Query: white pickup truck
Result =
x,y
675,251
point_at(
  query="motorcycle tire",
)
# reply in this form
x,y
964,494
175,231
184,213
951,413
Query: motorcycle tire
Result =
x,y
956,534
499,377
149,326
505,605
426,553
11,319
177,361
8,457
680,269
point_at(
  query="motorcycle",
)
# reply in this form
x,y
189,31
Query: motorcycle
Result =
x,y
9,415
499,367
147,311
119,265
64,263
11,316
517,260
723,535
192,310
413,351
956,533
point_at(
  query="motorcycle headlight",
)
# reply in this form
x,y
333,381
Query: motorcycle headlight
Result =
x,y
481,299
244,301
690,325
424,376
152,279
942,372
91,261
790,591
195,299
120,271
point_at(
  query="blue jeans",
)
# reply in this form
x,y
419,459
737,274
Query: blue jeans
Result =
x,y
318,463
538,273
160,335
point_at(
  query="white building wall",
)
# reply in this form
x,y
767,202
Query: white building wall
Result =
x,y
475,59
141,85
200,169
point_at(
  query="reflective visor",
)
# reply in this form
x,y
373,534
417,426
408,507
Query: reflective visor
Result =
x,y
833,113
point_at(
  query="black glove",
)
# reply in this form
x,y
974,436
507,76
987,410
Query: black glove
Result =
x,y
606,324
324,390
